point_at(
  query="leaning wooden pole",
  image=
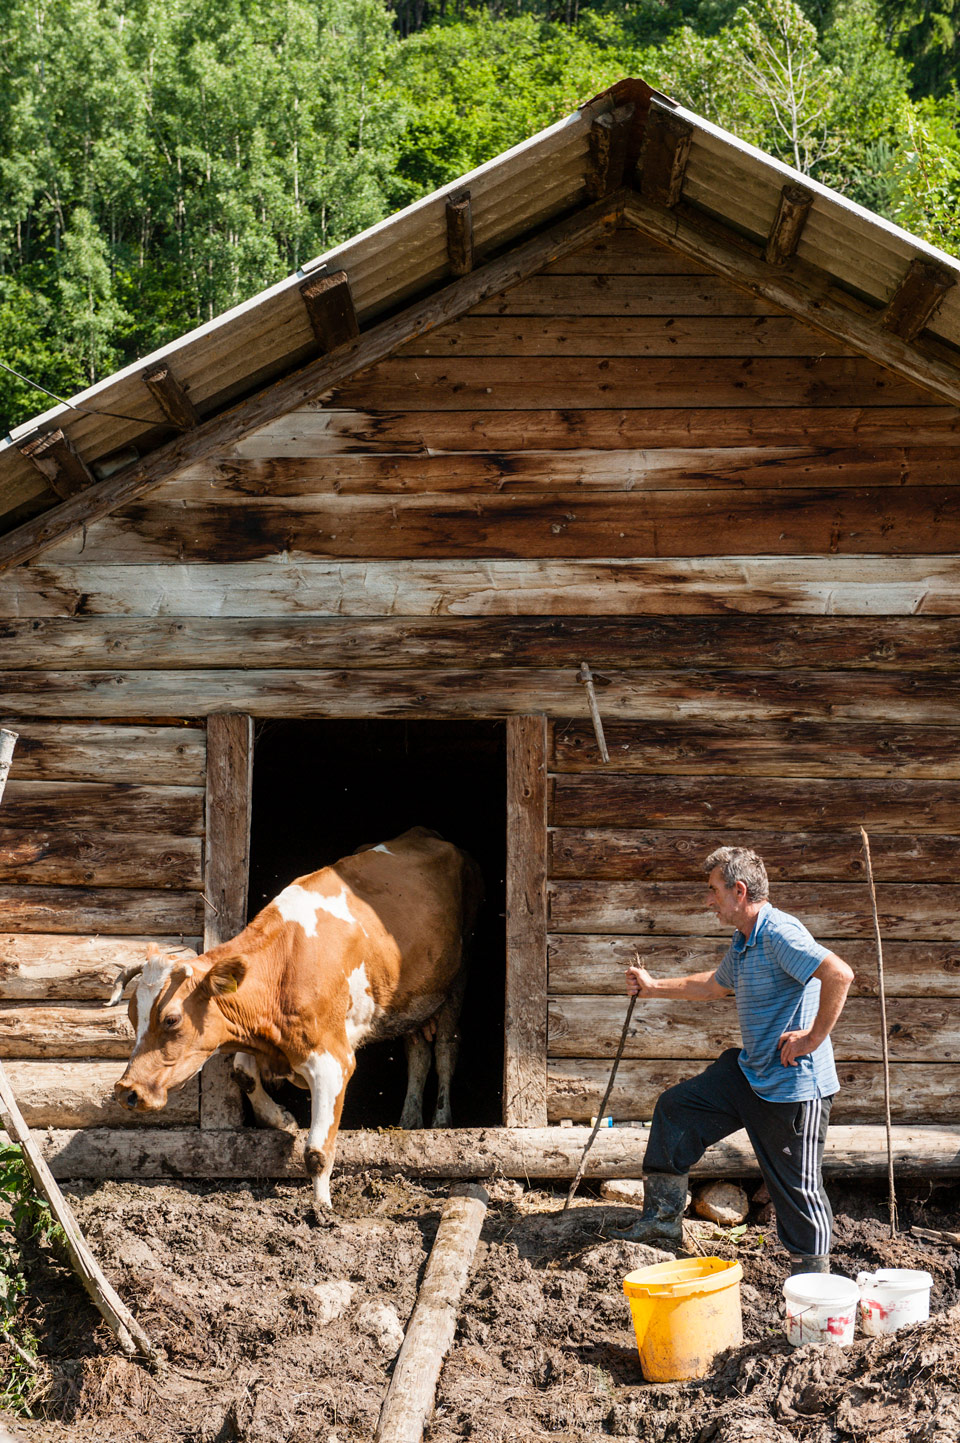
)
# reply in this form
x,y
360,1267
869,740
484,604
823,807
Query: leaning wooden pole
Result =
x,y
131,1337
881,990
413,1387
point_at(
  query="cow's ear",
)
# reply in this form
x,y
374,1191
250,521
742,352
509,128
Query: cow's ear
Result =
x,y
226,975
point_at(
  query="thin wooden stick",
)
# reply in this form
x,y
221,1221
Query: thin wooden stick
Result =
x,y
883,1033
409,1398
596,1126
585,675
131,1337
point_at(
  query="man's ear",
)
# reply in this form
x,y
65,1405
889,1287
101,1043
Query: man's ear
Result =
x,y
225,975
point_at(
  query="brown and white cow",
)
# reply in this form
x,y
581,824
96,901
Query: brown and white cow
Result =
x,y
369,948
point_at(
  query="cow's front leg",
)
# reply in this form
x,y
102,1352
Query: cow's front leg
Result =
x,y
419,1057
327,1076
246,1074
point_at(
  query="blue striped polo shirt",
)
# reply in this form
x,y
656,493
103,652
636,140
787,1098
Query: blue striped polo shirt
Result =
x,y
771,972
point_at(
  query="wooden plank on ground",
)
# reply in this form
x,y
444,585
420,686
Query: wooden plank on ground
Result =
x,y
120,911
917,1090
67,1093
121,806
834,909
44,967
96,859
851,1152
582,963
920,1030
525,1010
79,751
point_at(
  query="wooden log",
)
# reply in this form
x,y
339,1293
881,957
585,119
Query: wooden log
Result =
x,y
918,1091
629,854
608,149
459,219
663,155
828,908
59,463
782,586
123,806
170,396
128,1332
80,751
793,208
547,1152
848,521
525,1008
229,808
65,1093
550,336
45,967
410,1395
916,298
757,805
123,911
921,1030
330,307
595,963
68,1030
81,858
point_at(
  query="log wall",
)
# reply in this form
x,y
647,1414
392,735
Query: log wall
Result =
x,y
750,533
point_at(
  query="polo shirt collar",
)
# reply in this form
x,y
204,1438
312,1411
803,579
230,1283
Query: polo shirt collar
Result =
x,y
741,943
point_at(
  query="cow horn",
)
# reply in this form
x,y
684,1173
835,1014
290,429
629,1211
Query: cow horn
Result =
x,y
126,975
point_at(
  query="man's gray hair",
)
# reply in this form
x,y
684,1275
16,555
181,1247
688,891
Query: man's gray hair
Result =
x,y
739,864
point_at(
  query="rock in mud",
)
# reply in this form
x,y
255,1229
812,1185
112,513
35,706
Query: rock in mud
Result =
x,y
382,1323
723,1203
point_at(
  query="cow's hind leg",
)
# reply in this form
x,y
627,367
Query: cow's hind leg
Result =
x,y
446,1047
418,1070
246,1074
327,1077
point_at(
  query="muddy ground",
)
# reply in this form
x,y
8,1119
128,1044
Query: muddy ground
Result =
x,y
278,1328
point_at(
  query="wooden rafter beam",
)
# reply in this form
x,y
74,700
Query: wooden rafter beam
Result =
x,y
664,155
916,298
788,223
608,148
170,396
303,386
799,289
56,459
331,310
459,214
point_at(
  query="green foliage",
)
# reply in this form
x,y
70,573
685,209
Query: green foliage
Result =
x,y
30,1220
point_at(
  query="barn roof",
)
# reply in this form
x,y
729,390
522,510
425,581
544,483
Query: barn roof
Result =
x,y
630,154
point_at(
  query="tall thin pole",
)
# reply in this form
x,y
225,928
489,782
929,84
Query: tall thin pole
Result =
x,y
883,1032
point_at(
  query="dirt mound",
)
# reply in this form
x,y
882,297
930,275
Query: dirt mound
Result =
x,y
280,1328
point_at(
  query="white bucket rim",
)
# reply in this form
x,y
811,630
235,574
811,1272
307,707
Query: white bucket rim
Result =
x,y
821,1290
900,1280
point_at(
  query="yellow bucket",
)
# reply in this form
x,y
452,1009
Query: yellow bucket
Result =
x,y
683,1314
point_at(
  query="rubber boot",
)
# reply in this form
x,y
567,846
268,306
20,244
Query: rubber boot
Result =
x,y
809,1263
661,1222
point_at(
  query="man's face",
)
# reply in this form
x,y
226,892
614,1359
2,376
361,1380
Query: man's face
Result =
x,y
723,901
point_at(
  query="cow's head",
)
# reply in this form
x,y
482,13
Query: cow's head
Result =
x,y
178,1024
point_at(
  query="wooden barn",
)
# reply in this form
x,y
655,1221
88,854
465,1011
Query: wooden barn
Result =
x,y
633,395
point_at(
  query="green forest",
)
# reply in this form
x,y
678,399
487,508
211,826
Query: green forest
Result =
x,y
161,162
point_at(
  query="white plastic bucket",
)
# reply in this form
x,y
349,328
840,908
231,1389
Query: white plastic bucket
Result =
x,y
891,1298
821,1308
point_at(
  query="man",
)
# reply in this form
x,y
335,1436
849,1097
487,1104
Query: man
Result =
x,y
779,1086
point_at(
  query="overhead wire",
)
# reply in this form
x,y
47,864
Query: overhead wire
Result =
x,y
85,410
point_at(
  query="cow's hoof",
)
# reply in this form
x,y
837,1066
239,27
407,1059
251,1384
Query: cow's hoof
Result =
x,y
285,1122
411,1120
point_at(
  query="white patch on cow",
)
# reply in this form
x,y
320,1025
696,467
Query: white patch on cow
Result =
x,y
150,984
296,904
362,1009
324,1077
381,847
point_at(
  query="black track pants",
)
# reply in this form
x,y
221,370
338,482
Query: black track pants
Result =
x,y
787,1138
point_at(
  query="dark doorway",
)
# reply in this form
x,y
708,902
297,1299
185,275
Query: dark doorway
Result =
x,y
321,789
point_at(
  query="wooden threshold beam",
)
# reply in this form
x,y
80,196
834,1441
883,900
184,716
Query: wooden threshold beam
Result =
x,y
58,462
522,1152
304,385
170,396
916,298
793,209
329,304
799,289
459,213
664,155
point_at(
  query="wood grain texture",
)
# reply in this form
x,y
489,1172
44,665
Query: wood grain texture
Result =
x,y
114,859
828,909
584,963
82,751
100,806
49,966
120,911
68,1030
525,1008
66,1093
553,337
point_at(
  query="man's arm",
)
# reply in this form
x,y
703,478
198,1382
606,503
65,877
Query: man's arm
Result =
x,y
696,987
835,977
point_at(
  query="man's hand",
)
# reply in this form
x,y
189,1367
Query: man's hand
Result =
x,y
639,982
796,1044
